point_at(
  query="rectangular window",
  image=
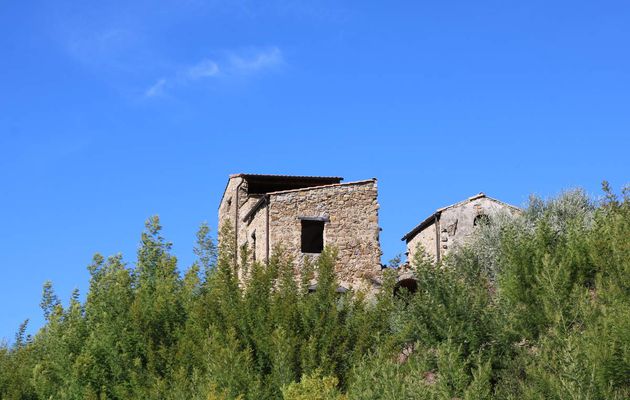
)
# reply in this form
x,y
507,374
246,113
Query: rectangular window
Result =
x,y
312,236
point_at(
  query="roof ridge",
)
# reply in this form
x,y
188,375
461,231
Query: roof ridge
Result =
x,y
471,198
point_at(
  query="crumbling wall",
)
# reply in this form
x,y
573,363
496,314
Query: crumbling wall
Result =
x,y
351,211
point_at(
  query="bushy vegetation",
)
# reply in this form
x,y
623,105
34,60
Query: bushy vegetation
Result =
x,y
536,306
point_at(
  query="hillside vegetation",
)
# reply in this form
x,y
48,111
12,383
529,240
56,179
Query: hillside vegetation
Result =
x,y
536,307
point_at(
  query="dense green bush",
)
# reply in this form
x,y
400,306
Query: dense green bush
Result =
x,y
536,306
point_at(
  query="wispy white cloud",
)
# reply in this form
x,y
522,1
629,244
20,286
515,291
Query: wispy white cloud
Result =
x,y
255,62
156,89
232,64
204,69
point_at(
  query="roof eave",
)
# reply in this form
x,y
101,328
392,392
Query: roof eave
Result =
x,y
372,180
421,226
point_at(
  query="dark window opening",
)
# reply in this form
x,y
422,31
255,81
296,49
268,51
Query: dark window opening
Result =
x,y
254,246
312,236
409,285
481,219
259,184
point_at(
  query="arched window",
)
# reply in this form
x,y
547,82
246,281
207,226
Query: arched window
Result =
x,y
408,284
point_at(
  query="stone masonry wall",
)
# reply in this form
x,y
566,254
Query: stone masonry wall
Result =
x,y
352,211
424,238
230,213
257,226
456,225
227,208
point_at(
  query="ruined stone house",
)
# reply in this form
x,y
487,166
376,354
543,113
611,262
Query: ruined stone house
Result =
x,y
303,214
451,226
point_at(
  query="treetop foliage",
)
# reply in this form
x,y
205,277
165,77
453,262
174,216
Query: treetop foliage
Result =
x,y
536,306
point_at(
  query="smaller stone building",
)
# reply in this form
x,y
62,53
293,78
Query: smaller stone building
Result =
x,y
450,226
303,214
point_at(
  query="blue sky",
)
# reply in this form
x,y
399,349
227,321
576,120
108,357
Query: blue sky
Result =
x,y
114,111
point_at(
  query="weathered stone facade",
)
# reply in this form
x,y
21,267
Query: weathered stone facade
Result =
x,y
265,218
303,214
451,226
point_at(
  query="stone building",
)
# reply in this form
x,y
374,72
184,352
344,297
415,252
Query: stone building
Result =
x,y
302,214
450,226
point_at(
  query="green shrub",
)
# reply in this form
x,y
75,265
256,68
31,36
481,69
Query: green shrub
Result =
x,y
537,306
